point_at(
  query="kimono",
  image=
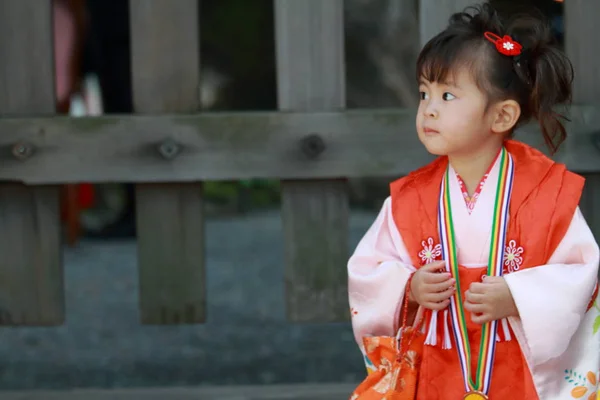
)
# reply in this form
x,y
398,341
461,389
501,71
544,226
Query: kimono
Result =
x,y
550,264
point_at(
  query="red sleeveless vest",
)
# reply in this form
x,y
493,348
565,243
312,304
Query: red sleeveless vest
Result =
x,y
543,201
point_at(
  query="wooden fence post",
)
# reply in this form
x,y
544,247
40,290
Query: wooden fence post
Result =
x,y
434,15
311,77
170,216
581,46
31,270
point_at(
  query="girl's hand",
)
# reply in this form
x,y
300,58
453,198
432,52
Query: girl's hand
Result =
x,y
431,286
490,300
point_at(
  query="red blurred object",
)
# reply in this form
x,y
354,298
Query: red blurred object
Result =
x,y
86,195
69,28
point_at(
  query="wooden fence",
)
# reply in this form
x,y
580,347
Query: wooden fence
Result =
x,y
167,148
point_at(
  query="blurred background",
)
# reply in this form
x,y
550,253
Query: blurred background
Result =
x,y
246,339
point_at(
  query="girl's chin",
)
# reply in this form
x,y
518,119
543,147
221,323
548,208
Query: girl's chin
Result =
x,y
437,149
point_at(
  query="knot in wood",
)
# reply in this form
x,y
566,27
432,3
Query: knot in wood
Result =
x,y
168,149
22,150
313,145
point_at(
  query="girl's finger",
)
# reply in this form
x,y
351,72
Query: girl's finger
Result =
x,y
437,306
475,308
440,287
434,266
474,297
436,277
440,296
481,318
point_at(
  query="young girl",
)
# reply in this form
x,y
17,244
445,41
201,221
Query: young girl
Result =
x,y
487,241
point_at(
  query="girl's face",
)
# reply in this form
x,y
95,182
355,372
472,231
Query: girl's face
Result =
x,y
452,118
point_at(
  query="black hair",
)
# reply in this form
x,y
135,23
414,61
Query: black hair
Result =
x,y
538,79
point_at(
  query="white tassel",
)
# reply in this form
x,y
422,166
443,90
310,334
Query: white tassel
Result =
x,y
431,338
397,341
399,334
447,342
506,330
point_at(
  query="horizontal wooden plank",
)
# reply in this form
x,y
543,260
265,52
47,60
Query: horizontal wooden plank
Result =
x,y
221,146
268,392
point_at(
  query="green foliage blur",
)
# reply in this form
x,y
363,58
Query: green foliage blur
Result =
x,y
237,36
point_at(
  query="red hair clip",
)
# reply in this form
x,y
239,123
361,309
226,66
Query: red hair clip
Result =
x,y
505,45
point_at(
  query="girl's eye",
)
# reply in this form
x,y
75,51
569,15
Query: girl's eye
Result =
x,y
424,95
448,96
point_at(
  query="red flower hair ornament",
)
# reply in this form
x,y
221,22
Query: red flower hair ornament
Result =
x,y
505,45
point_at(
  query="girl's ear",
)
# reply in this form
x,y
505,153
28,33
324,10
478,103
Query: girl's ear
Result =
x,y
506,115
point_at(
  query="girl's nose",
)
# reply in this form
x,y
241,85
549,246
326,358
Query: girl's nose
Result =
x,y
431,111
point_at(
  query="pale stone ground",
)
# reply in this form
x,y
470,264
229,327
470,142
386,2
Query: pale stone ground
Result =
x,y
245,341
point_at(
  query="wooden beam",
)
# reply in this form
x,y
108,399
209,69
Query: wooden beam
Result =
x,y
221,146
322,391
31,270
170,216
580,20
311,77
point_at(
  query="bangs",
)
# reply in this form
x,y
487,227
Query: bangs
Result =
x,y
445,56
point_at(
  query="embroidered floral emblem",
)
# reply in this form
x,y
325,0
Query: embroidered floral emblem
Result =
x,y
508,46
430,252
353,311
513,257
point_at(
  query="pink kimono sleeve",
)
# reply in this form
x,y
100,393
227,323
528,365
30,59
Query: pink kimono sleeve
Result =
x,y
552,299
377,275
